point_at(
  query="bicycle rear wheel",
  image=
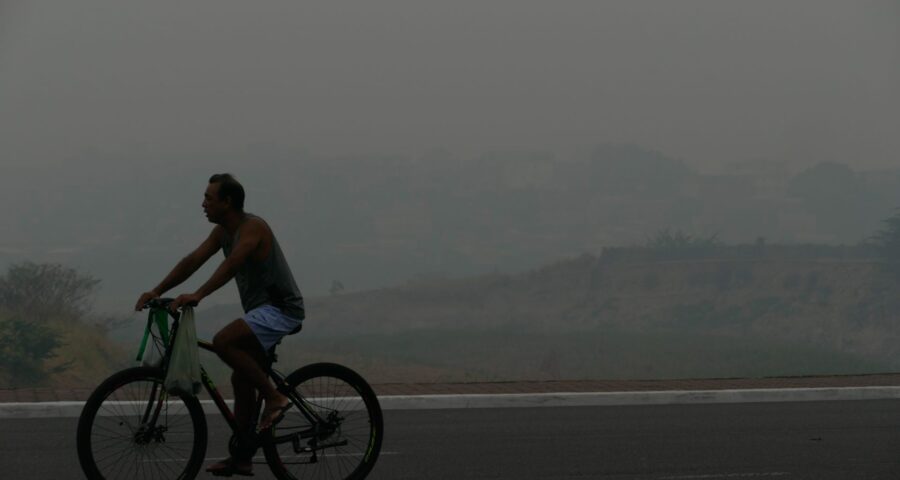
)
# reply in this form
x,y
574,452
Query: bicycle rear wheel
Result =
x,y
344,439
132,429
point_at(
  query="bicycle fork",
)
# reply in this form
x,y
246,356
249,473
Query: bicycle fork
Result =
x,y
149,430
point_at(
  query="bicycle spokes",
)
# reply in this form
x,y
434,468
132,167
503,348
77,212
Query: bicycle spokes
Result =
x,y
334,432
131,429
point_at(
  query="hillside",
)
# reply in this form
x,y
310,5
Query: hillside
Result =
x,y
91,355
373,221
618,316
728,311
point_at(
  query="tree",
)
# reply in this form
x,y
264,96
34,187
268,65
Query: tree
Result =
x,y
47,291
667,239
34,300
24,346
667,244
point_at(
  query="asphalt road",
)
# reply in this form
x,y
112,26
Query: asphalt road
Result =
x,y
815,441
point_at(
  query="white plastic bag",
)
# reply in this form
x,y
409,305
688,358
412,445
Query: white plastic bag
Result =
x,y
183,376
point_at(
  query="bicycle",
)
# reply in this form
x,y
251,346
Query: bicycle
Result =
x,y
131,428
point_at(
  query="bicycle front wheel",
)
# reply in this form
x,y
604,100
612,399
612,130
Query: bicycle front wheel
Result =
x,y
132,429
334,430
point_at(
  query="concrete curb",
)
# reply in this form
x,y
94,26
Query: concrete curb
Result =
x,y
69,409
590,399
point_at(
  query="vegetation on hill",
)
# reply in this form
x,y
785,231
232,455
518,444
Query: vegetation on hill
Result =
x,y
667,309
47,336
677,306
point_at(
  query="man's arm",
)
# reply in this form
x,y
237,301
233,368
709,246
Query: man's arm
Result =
x,y
251,235
186,266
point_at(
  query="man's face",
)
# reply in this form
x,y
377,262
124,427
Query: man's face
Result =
x,y
213,207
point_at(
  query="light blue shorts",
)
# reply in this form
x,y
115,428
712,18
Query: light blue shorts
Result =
x,y
269,324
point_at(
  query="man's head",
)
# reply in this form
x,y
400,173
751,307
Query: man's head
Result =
x,y
223,195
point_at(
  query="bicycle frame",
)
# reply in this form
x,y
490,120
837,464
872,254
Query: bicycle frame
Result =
x,y
132,426
159,316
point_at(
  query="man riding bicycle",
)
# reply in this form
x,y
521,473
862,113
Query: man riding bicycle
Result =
x,y
270,298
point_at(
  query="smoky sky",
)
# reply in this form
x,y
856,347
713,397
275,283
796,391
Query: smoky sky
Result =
x,y
708,81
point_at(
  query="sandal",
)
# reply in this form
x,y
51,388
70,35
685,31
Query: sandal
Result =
x,y
279,416
229,467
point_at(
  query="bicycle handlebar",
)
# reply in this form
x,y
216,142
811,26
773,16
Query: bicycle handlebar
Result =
x,y
159,303
164,303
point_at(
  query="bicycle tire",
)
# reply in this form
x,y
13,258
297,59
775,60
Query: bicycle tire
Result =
x,y
338,393
113,444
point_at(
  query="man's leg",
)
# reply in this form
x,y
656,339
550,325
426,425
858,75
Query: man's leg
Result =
x,y
238,347
244,402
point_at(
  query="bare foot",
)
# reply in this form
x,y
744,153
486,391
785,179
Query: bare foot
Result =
x,y
229,467
274,412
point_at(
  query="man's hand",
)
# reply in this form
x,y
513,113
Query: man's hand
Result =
x,y
188,299
145,297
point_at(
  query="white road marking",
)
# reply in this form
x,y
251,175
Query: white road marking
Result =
x,y
262,459
712,476
560,399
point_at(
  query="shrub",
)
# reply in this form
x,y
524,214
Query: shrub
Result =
x,y
24,346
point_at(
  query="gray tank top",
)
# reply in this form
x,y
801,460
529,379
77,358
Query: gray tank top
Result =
x,y
268,282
